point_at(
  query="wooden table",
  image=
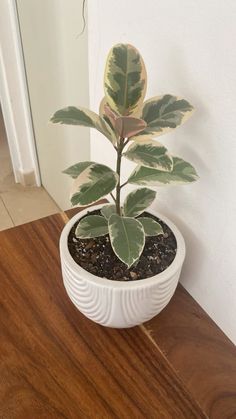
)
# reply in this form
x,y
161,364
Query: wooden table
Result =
x,y
55,363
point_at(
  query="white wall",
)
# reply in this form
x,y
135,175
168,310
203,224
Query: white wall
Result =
x,y
14,98
189,50
57,72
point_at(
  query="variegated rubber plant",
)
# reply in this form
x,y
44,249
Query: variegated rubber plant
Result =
x,y
130,124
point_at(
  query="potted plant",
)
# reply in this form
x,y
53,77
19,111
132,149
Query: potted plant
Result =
x,y
120,263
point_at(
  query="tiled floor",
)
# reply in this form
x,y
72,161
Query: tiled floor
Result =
x,y
19,204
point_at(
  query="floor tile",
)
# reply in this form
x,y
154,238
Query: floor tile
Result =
x,y
26,204
19,204
5,220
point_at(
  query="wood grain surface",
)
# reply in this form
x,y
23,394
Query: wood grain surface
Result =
x,y
55,363
203,357
201,353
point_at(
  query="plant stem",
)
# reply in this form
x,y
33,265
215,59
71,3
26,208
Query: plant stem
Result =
x,y
118,170
114,199
123,184
126,142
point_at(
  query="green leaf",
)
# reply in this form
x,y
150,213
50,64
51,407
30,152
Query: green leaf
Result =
x,y
183,172
91,226
75,170
94,182
163,114
83,117
137,201
127,238
75,116
150,153
124,79
150,226
108,210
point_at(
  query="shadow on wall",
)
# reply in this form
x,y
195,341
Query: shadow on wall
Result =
x,y
196,252
190,139
179,202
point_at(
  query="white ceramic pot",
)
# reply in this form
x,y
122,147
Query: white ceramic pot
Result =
x,y
119,304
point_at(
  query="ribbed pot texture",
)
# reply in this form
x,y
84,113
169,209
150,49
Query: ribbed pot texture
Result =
x,y
119,304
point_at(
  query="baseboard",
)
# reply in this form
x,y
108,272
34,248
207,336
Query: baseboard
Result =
x,y
26,179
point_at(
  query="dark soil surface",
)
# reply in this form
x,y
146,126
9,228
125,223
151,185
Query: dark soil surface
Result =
x,y
97,257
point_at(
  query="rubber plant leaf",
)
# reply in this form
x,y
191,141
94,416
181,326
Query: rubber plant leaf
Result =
x,y
108,210
183,172
91,226
108,115
127,238
124,80
150,226
75,170
93,182
163,114
137,201
150,153
123,126
83,117
127,126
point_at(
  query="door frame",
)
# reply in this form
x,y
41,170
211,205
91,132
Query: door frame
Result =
x,y
14,97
